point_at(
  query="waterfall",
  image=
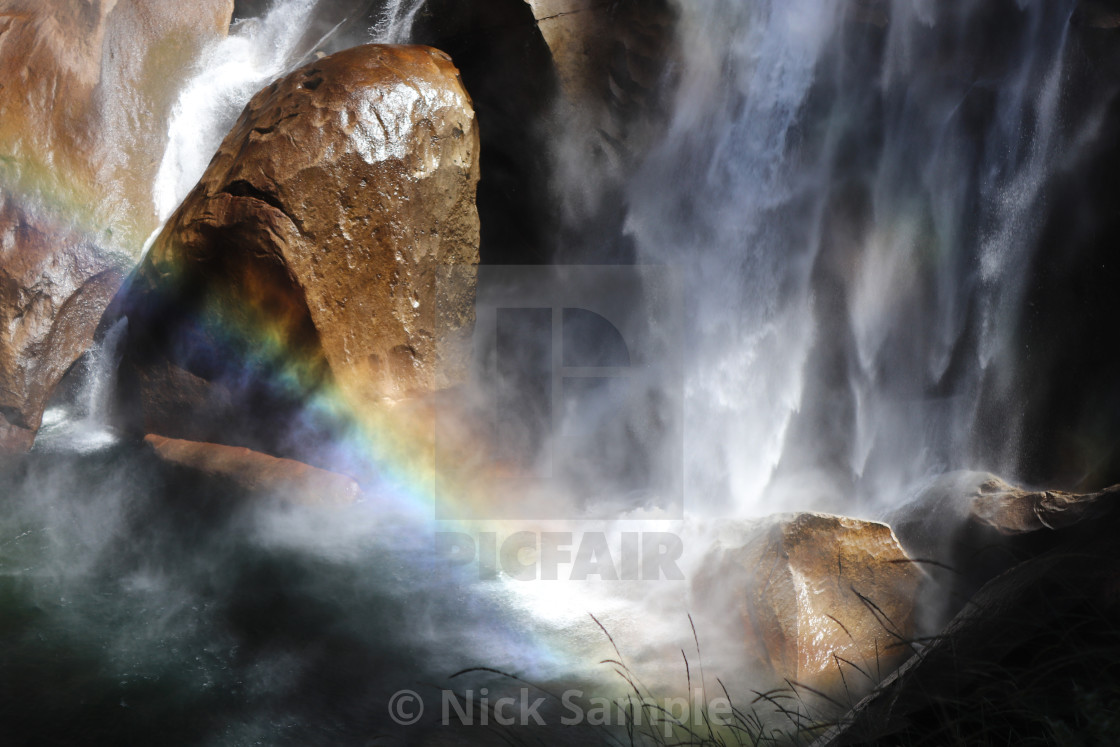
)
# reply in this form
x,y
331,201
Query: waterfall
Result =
x,y
851,195
102,364
83,425
852,205
395,23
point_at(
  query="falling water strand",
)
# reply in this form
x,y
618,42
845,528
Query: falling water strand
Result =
x,y
856,202
101,373
395,23
83,425
723,191
229,73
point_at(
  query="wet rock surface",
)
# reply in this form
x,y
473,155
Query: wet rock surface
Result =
x,y
85,92
966,528
329,249
825,601
1040,638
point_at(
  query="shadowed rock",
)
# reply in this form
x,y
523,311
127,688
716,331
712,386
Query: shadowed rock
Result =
x,y
1022,642
259,475
968,527
1027,580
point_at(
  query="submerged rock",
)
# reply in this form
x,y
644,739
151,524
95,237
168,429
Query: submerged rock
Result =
x,y
258,475
824,601
329,249
85,91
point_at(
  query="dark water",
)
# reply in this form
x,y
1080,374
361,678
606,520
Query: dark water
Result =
x,y
140,607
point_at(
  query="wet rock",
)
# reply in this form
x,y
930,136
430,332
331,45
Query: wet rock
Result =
x,y
85,91
54,285
605,53
258,475
328,251
824,601
508,70
1097,14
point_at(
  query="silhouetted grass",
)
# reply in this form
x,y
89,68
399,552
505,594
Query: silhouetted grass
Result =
x,y
1058,686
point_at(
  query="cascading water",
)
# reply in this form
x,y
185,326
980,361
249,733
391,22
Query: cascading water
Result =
x,y
857,207
396,21
720,190
84,424
230,72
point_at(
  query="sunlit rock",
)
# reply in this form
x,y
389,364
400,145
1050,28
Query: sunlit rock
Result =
x,y
824,601
85,92
54,285
329,250
259,475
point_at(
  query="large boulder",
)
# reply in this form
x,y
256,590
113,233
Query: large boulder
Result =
x,y
824,601
85,92
328,252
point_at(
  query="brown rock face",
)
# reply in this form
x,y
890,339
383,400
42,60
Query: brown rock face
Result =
x,y
826,601
259,475
1010,510
54,285
599,46
85,90
332,243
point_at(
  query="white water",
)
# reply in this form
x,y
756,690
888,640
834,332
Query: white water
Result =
x,y
256,52
229,73
712,192
83,427
847,318
395,23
